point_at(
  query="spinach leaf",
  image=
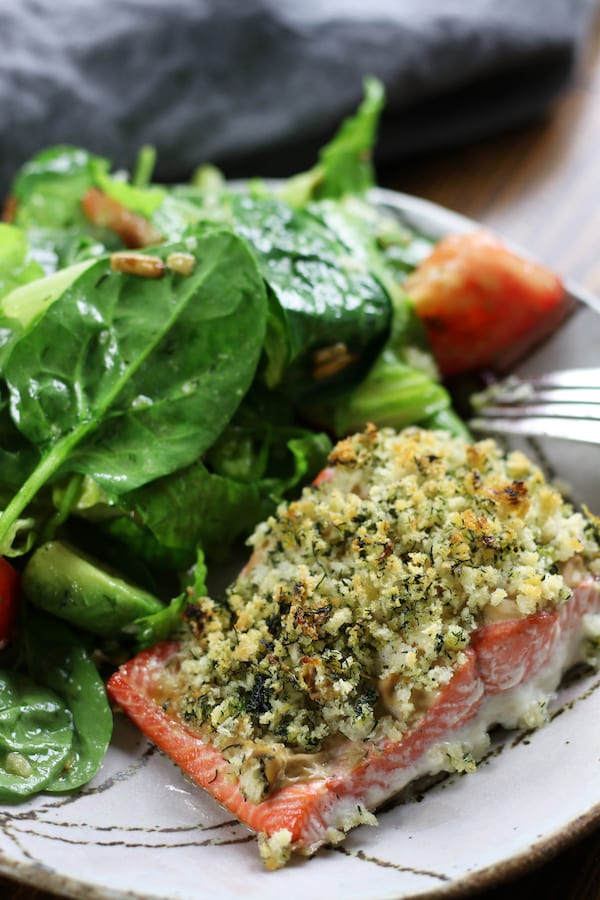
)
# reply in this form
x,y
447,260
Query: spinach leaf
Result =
x,y
329,299
49,188
19,311
18,457
36,734
142,200
310,451
263,443
346,160
127,379
55,249
149,630
374,237
344,165
402,387
321,292
58,660
276,349
16,265
183,207
393,394
133,539
22,307
195,507
259,457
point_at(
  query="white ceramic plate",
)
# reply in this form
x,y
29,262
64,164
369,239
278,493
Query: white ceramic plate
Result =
x,y
139,830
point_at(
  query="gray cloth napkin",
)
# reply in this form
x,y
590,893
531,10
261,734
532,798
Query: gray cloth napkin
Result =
x,y
256,86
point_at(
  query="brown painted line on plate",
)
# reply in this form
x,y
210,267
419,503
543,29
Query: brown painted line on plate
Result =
x,y
14,821
51,802
133,829
131,845
120,776
570,704
58,801
32,871
14,837
524,737
387,864
8,832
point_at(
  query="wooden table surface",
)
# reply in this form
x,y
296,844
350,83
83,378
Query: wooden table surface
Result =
x,y
540,186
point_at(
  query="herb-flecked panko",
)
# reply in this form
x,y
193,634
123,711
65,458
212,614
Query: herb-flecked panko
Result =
x,y
360,597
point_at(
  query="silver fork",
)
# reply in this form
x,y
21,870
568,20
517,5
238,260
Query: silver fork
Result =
x,y
558,404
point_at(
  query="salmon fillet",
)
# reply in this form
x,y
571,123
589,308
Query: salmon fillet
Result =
x,y
323,809
510,663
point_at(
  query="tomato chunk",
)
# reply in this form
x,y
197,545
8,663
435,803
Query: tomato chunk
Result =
x,y
476,297
9,591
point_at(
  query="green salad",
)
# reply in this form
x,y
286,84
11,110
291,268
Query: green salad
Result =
x,y
174,362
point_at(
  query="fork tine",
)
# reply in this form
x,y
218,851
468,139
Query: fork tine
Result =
x,y
567,378
582,430
542,410
528,393
556,404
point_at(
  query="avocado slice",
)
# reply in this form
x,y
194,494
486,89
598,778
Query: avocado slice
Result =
x,y
83,591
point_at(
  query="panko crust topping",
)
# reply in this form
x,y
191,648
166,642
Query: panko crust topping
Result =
x,y
360,597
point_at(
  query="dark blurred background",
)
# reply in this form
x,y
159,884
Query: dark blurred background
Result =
x,y
256,87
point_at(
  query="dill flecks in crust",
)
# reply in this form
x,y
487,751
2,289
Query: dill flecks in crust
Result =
x,y
360,597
